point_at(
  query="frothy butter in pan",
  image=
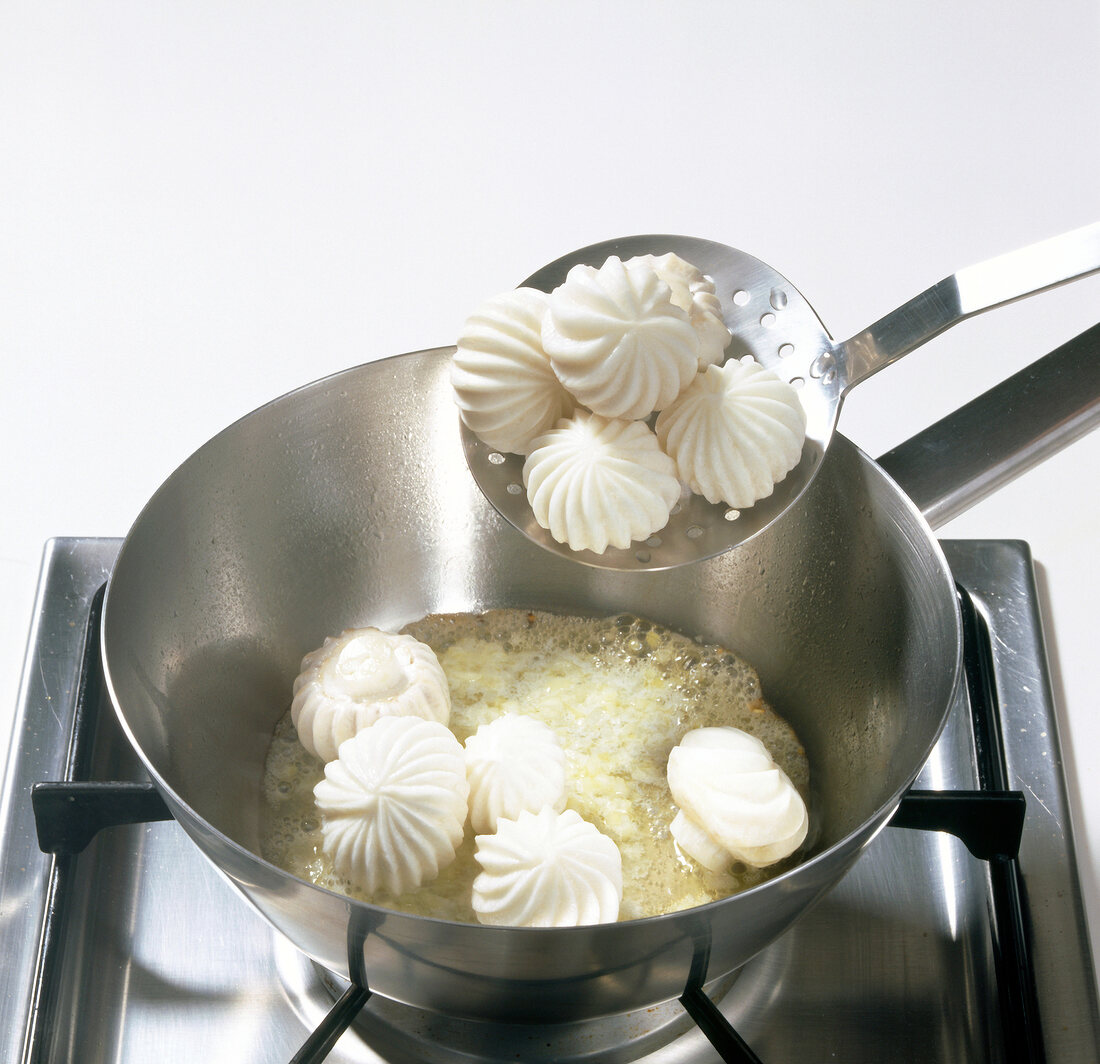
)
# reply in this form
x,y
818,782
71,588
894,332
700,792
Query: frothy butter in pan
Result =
x,y
619,693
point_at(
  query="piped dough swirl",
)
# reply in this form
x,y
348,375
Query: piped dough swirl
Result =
x,y
617,341
547,869
393,804
734,433
595,482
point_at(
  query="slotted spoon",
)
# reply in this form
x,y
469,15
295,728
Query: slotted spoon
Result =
x,y
772,321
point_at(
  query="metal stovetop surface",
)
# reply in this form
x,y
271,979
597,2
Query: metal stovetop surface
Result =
x,y
162,960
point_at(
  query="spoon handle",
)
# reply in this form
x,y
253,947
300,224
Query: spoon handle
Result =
x,y
988,284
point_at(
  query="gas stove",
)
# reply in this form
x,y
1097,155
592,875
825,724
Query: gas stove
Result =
x,y
135,948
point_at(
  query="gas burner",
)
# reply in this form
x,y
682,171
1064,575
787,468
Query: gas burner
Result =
x,y
400,1034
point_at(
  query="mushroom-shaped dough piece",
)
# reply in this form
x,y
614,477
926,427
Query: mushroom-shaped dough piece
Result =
x,y
732,795
360,675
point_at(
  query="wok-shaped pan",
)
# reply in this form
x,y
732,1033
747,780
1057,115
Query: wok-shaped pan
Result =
x,y
348,502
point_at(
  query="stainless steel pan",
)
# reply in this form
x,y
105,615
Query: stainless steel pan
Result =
x,y
349,502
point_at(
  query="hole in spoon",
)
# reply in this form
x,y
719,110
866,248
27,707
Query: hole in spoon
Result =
x,y
741,297
514,488
824,368
732,515
496,458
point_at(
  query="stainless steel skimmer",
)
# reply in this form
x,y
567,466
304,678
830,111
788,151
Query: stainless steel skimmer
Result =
x,y
772,321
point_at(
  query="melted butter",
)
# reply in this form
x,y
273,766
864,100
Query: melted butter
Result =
x,y
619,694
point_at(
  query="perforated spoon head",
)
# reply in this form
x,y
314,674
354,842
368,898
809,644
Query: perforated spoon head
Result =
x,y
770,320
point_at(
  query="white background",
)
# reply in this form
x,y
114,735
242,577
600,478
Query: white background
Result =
x,y
203,205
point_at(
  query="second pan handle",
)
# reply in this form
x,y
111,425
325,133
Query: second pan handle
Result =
x,y
958,461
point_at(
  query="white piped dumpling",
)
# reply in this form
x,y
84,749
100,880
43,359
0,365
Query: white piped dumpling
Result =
x,y
357,677
505,388
617,341
734,433
596,482
393,804
694,292
514,763
547,869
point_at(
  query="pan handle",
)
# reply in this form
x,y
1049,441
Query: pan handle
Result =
x,y
972,290
958,461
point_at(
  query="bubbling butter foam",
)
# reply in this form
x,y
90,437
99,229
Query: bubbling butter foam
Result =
x,y
619,693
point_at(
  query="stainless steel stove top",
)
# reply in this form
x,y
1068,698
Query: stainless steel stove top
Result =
x,y
159,958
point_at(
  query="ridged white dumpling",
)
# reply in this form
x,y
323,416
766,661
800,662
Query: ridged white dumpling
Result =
x,y
617,341
547,869
360,675
595,482
727,785
696,293
505,389
513,764
393,804
734,433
